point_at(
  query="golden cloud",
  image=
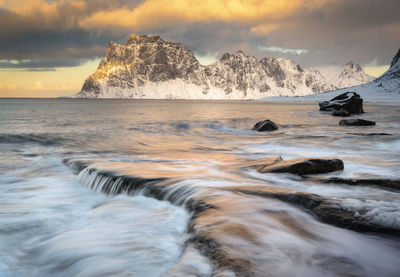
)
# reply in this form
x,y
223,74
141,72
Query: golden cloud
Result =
x,y
153,14
47,13
30,7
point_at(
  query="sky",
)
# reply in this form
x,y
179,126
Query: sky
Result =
x,y
49,47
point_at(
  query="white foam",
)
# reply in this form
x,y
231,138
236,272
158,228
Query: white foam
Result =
x,y
380,212
54,226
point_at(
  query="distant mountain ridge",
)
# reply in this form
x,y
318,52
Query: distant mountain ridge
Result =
x,y
147,67
385,89
341,77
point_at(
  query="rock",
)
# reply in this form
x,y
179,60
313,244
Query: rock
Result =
x,y
341,112
326,210
385,183
356,122
370,134
302,166
349,101
265,125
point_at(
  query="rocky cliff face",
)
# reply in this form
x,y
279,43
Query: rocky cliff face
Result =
x,y
147,67
393,73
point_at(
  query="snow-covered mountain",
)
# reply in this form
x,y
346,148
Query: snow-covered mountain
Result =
x,y
147,67
385,88
342,77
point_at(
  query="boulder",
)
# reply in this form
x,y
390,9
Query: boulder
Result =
x,y
301,166
341,112
356,122
349,101
265,125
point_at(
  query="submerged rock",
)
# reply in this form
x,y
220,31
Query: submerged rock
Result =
x,y
349,101
328,211
301,166
370,134
265,125
356,122
386,183
341,112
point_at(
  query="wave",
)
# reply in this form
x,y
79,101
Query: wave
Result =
x,y
41,139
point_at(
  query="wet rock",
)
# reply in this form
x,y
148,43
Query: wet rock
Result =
x,y
385,183
370,134
265,125
326,210
349,101
356,122
341,112
301,166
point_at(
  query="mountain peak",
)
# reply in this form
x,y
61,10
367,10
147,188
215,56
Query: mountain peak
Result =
x,y
352,66
149,67
396,59
133,39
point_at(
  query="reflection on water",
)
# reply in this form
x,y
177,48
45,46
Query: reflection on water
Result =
x,y
52,225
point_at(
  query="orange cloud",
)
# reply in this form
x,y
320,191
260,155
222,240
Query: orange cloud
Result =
x,y
168,13
48,13
30,7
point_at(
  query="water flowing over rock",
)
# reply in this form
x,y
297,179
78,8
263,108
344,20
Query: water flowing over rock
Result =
x,y
148,67
349,101
385,183
214,228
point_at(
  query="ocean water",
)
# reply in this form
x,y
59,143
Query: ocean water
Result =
x,y
58,222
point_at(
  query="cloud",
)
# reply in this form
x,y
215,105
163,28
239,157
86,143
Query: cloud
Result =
x,y
41,64
283,50
153,14
330,30
207,58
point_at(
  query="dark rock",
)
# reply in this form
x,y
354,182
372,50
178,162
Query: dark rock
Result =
x,y
370,134
266,125
349,101
341,112
327,210
356,122
385,183
302,166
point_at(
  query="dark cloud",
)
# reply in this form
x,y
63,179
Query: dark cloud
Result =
x,y
335,32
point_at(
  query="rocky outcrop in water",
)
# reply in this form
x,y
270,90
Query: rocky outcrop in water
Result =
x,y
265,125
215,228
349,101
327,210
385,183
301,166
356,122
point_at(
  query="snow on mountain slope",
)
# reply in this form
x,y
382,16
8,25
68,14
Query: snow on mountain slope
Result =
x,y
147,67
342,77
386,88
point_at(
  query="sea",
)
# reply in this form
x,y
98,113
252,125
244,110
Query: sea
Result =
x,y
56,220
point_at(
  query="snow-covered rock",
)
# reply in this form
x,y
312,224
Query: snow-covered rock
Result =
x,y
147,67
385,88
343,77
